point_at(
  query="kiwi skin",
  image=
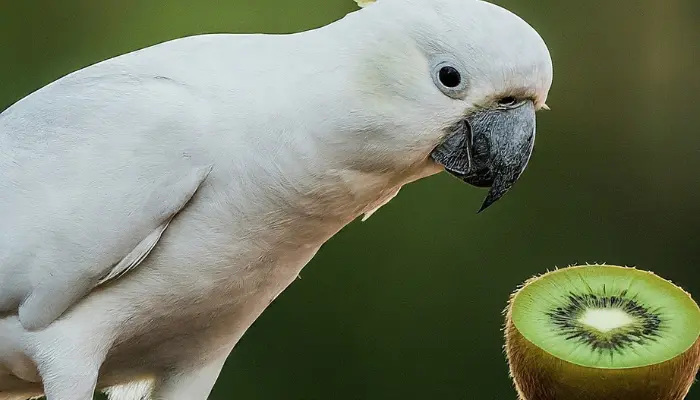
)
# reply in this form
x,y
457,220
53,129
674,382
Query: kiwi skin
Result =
x,y
538,375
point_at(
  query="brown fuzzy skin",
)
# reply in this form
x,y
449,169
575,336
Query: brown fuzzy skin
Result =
x,y
538,375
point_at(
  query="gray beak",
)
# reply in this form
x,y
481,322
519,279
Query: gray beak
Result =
x,y
491,148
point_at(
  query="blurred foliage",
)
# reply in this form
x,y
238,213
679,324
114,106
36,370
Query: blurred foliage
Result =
x,y
408,304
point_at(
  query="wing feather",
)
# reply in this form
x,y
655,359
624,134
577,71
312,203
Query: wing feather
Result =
x,y
89,184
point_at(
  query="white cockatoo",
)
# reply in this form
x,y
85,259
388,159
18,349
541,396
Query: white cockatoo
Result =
x,y
153,205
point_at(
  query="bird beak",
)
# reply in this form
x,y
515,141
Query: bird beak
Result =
x,y
490,148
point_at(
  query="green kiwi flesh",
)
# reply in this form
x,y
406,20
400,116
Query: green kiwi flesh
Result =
x,y
602,332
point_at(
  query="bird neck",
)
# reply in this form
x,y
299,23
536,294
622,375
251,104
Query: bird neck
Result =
x,y
321,135
341,154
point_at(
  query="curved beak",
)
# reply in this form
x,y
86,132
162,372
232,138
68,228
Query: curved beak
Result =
x,y
490,148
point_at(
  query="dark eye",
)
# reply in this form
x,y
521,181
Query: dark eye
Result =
x,y
507,101
449,77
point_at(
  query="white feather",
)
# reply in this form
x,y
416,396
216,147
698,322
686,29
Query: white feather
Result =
x,y
364,3
302,134
138,390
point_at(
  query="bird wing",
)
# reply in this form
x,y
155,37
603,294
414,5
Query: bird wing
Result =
x,y
92,170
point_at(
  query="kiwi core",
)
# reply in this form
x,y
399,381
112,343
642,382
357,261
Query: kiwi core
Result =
x,y
605,319
606,316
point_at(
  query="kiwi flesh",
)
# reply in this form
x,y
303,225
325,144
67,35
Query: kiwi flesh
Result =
x,y
602,332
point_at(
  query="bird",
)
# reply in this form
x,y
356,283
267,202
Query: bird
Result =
x,y
155,203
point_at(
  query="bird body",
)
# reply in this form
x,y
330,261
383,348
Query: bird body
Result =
x,y
154,204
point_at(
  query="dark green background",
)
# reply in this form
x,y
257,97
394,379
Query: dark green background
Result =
x,y
408,305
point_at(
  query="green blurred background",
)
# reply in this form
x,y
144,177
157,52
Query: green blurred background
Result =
x,y
408,304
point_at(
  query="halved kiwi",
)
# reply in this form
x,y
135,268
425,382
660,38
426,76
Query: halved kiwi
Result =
x,y
601,332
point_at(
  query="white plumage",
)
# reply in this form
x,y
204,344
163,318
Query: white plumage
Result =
x,y
155,203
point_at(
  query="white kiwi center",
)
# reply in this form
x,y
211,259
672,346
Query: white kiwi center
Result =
x,y
606,319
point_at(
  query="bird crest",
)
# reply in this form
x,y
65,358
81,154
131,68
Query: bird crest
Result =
x,y
364,3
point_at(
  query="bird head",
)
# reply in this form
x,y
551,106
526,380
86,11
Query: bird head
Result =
x,y
460,81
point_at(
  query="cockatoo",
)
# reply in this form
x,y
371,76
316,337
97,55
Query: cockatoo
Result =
x,y
154,204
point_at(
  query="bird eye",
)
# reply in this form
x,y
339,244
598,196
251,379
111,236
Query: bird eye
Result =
x,y
507,101
449,76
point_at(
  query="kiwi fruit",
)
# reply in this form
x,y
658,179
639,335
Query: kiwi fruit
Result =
x,y
602,332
